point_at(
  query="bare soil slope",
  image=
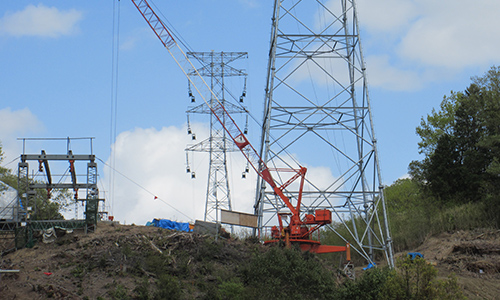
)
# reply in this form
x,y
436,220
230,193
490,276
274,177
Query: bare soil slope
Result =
x,y
473,256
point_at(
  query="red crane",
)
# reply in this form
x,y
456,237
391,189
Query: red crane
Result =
x,y
298,230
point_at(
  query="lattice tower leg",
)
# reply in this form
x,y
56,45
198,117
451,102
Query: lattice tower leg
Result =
x,y
317,115
92,199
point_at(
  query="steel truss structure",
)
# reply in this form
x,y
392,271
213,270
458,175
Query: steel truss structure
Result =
x,y
217,67
19,225
29,185
317,112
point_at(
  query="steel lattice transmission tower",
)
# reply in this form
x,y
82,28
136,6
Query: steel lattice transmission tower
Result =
x,y
218,68
317,112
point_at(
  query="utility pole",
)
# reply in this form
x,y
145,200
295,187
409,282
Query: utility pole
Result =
x,y
317,111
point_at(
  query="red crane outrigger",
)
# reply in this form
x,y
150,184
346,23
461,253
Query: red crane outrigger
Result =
x,y
298,230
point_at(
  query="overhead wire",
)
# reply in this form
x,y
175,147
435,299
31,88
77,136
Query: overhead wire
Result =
x,y
114,108
186,45
114,95
179,38
11,161
143,188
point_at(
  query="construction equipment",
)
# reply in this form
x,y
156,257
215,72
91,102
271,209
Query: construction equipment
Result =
x,y
298,231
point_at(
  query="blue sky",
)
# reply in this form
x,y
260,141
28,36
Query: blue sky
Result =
x,y
56,81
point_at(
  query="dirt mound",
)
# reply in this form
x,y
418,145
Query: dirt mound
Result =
x,y
473,256
114,262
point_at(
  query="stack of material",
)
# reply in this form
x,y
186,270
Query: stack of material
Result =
x,y
168,224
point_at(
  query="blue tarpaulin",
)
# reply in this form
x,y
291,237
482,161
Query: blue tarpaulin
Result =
x,y
172,225
370,265
413,255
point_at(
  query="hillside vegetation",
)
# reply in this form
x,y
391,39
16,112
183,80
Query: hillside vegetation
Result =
x,y
449,210
139,262
457,184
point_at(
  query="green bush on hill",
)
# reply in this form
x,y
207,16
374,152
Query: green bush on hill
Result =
x,y
287,274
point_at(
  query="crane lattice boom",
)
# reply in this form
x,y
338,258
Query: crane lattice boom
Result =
x,y
297,231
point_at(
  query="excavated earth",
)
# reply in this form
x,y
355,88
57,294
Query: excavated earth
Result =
x,y
472,256
114,259
100,265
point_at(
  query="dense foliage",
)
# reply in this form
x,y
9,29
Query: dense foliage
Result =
x,y
412,279
287,274
457,184
461,144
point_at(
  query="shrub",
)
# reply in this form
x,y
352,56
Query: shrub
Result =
x,y
287,274
142,290
416,279
120,292
367,286
231,290
168,287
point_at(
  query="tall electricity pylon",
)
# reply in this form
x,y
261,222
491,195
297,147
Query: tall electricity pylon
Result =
x,y
317,112
217,68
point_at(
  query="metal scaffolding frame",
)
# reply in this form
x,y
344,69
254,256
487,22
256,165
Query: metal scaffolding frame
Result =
x,y
317,112
22,223
217,67
26,200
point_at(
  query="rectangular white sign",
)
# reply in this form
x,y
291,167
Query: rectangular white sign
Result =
x,y
238,218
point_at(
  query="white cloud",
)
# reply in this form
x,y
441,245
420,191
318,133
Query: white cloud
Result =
x,y
20,121
250,3
137,36
390,77
427,40
41,21
454,34
388,16
156,162
13,124
405,176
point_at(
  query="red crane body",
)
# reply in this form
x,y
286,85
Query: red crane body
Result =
x,y
298,231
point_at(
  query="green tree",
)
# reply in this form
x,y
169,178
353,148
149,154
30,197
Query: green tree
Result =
x,y
50,208
3,170
367,286
6,175
461,143
417,279
437,124
412,279
404,195
443,169
410,210
490,142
